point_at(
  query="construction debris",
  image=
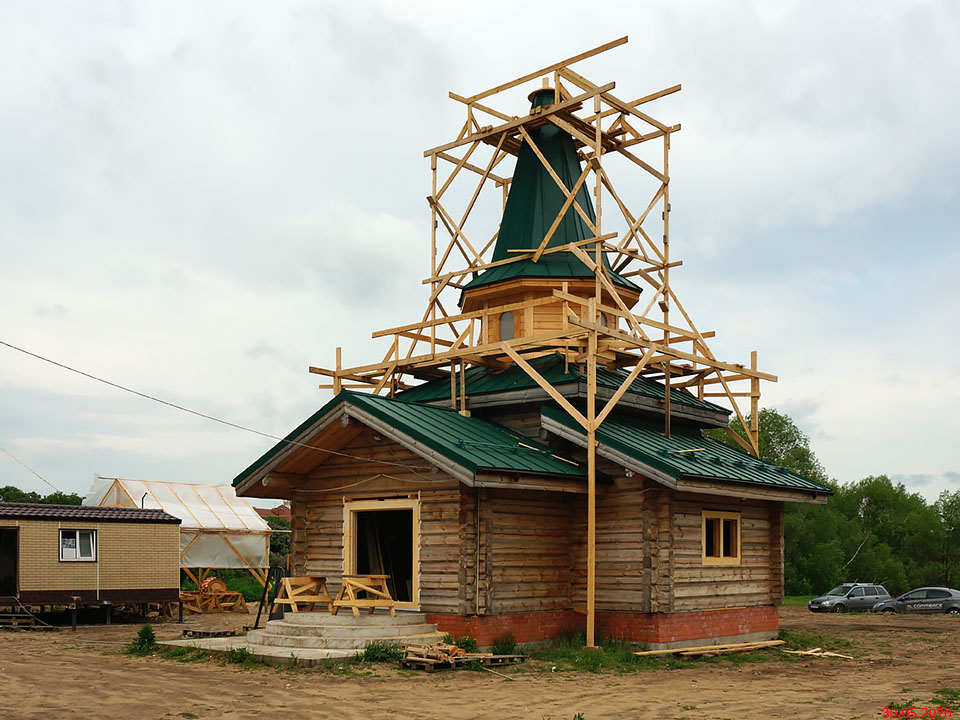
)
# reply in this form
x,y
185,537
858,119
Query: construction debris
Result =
x,y
714,649
819,652
209,633
440,656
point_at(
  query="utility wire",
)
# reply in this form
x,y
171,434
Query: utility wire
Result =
x,y
197,413
30,469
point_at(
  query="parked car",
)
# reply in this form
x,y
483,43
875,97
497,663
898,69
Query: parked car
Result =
x,y
849,596
923,600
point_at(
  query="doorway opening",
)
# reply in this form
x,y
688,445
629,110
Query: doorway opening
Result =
x,y
8,561
382,538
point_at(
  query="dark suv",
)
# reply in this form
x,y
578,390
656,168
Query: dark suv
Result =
x,y
849,596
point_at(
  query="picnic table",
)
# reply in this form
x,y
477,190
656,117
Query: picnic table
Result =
x,y
304,590
213,596
373,587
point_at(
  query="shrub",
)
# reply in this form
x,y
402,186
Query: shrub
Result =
x,y
505,645
467,644
145,643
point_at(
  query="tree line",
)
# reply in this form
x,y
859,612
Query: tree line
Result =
x,y
871,530
9,493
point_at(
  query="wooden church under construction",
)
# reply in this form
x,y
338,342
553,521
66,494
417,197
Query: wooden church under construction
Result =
x,y
526,459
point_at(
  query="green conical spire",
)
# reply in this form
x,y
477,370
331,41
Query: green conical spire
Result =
x,y
533,204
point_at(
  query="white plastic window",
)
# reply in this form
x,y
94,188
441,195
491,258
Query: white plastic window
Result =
x,y
78,545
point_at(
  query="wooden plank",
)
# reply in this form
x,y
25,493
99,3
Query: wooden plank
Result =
x,y
539,379
548,69
703,648
520,122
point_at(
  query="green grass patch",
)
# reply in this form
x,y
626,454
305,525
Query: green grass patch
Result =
x,y
947,698
241,656
185,654
505,645
380,651
807,640
569,653
797,600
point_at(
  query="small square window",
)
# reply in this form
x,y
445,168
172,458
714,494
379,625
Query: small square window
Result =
x,y
78,545
721,538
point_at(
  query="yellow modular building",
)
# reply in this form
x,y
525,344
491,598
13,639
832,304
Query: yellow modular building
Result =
x,y
52,554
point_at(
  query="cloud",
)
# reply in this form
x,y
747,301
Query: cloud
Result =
x,y
199,201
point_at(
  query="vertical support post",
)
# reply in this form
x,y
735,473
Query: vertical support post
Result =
x,y
463,388
754,405
433,250
666,277
591,481
597,191
337,383
453,384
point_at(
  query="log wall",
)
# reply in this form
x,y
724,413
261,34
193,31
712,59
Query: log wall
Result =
x,y
318,505
489,552
700,587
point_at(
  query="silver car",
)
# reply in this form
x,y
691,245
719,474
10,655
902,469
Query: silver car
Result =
x,y
923,600
849,596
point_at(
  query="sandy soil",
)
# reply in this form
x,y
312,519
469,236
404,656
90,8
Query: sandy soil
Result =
x,y
65,675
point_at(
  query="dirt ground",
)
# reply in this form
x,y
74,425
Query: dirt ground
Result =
x,y
65,675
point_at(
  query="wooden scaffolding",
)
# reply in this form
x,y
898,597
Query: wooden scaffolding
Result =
x,y
659,340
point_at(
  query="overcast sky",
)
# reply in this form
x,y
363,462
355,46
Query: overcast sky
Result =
x,y
199,200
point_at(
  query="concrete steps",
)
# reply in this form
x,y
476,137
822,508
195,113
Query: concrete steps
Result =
x,y
321,630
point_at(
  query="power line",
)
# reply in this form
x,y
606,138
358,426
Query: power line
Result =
x,y
30,469
118,386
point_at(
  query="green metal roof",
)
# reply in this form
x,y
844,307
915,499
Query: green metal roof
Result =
x,y
482,381
710,460
533,204
472,443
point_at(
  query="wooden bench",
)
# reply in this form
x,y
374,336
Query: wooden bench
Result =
x,y
304,590
375,588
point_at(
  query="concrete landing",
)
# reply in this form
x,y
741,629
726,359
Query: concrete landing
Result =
x,y
309,638
268,655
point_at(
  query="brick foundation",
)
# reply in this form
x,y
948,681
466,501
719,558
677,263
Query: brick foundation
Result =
x,y
657,629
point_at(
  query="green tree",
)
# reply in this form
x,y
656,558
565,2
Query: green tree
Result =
x,y
781,443
948,508
16,495
279,541
61,498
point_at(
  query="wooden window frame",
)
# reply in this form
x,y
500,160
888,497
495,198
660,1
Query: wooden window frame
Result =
x,y
76,534
351,508
720,560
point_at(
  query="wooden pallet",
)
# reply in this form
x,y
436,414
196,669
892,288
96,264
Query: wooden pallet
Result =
x,y
17,620
488,660
209,633
440,656
425,664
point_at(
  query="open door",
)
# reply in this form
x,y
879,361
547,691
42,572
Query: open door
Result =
x,y
381,537
8,562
